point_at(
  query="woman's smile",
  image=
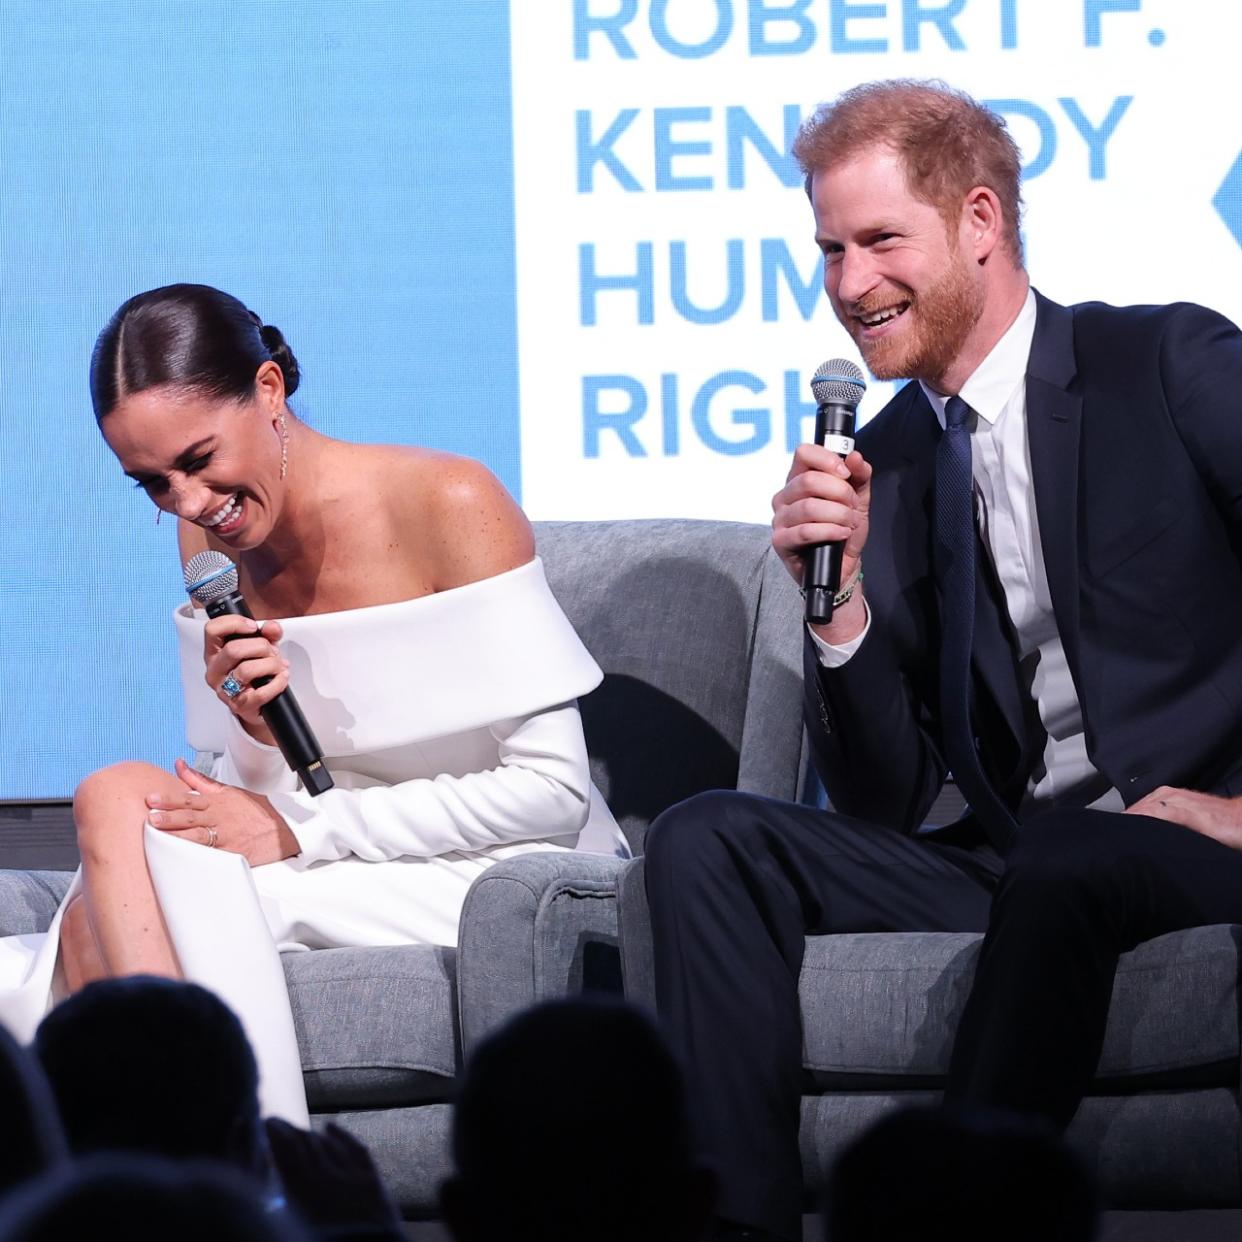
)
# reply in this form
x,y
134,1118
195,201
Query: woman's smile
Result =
x,y
227,517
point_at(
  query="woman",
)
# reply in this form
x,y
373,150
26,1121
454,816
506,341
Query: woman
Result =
x,y
432,662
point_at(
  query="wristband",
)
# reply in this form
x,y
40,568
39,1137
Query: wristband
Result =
x,y
846,593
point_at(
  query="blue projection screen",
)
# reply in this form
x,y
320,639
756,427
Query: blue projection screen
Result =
x,y
345,168
563,236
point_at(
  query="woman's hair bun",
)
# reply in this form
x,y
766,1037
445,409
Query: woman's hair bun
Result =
x,y
274,341
185,336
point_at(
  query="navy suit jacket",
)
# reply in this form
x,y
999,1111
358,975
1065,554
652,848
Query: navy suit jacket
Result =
x,y
1135,429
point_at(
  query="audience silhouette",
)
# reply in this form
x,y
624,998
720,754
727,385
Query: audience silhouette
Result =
x,y
959,1175
141,1198
571,1124
155,1065
145,1064
31,1140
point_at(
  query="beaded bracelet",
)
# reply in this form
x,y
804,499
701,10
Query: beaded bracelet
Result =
x,y
846,593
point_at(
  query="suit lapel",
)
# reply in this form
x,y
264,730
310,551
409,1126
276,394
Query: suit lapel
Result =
x,y
1054,422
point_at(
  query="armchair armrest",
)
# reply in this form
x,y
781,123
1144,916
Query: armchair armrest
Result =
x,y
534,928
634,923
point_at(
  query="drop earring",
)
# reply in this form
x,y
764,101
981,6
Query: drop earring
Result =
x,y
284,446
159,513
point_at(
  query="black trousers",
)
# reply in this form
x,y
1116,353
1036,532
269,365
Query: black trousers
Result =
x,y
736,882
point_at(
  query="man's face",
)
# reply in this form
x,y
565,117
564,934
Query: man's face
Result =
x,y
906,290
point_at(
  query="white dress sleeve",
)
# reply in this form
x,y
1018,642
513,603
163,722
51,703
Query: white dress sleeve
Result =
x,y
252,765
540,788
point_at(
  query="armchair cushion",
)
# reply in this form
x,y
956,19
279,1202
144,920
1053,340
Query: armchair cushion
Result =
x,y
376,1027
881,1010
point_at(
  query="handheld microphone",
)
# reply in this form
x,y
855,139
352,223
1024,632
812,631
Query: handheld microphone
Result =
x,y
838,386
211,580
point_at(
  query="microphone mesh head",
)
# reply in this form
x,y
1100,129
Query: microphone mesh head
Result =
x,y
210,575
839,381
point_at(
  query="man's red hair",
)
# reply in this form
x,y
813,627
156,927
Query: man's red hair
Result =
x,y
947,143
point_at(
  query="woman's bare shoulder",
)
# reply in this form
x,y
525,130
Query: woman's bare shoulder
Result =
x,y
456,510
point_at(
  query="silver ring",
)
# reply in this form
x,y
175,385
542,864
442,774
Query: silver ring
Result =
x,y
231,687
212,838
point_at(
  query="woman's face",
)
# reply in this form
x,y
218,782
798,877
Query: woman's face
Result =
x,y
210,461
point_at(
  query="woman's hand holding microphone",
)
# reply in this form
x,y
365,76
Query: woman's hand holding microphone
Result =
x,y
233,665
210,812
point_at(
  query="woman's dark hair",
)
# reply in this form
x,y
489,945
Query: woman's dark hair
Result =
x,y
185,336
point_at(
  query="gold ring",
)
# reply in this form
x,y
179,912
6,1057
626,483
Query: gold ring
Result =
x,y
212,838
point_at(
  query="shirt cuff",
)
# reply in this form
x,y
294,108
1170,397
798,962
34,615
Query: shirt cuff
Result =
x,y
832,655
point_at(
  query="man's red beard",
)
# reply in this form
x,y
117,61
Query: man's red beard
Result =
x,y
939,321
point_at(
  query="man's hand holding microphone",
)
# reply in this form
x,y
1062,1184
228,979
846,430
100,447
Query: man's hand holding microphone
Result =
x,y
819,518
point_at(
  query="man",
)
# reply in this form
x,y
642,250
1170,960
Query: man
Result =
x,y
1051,523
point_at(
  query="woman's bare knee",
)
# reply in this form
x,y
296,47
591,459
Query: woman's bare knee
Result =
x,y
110,808
112,801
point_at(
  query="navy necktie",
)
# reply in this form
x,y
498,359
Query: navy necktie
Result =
x,y
954,558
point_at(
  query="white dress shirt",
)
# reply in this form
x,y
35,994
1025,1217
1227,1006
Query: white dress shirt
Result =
x,y
1001,461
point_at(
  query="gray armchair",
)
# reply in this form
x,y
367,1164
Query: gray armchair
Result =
x,y
695,626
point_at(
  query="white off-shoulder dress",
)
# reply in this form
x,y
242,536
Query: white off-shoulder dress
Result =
x,y
451,729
